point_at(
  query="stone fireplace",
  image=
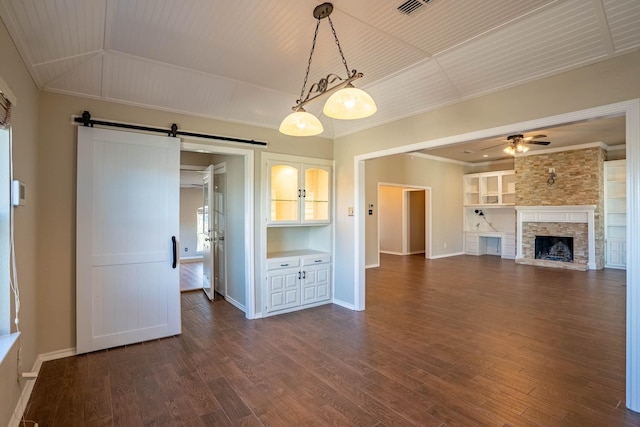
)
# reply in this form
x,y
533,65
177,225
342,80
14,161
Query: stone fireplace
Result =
x,y
562,222
569,205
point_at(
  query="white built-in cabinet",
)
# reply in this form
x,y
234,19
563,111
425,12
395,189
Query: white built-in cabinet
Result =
x,y
615,214
489,213
297,231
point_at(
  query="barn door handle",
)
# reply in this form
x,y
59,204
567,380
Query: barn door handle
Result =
x,y
175,251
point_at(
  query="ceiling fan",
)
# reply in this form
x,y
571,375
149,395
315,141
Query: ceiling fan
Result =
x,y
518,143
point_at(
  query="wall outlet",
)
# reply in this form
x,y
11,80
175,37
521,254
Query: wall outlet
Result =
x,y
186,249
350,211
445,246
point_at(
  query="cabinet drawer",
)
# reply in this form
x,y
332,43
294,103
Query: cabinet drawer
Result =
x,y
316,259
472,248
277,263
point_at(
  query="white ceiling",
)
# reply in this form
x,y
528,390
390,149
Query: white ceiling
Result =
x,y
244,61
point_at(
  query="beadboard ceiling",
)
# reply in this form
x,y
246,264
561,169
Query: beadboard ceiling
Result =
x,y
244,61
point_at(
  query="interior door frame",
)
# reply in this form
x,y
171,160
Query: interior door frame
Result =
x,y
249,211
631,110
427,215
207,255
222,166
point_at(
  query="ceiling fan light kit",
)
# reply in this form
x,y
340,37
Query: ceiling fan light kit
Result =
x,y
345,103
517,144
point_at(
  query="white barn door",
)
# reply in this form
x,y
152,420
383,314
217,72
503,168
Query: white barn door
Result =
x,y
127,280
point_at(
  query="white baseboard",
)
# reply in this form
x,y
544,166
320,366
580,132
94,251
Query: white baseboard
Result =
x,y
344,304
236,304
447,255
392,253
190,259
372,265
21,406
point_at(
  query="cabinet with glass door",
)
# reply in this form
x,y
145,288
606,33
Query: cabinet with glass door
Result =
x,y
299,193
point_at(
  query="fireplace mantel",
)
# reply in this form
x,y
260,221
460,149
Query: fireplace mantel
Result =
x,y
571,213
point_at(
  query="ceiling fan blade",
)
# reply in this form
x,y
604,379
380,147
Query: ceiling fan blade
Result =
x,y
539,142
493,146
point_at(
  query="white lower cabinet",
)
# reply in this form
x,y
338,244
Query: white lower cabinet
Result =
x,y
296,282
471,243
475,243
508,241
316,279
616,253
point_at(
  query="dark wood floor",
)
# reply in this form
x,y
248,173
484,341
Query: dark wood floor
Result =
x,y
190,276
460,341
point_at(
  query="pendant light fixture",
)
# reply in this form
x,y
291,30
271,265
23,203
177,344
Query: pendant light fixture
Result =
x,y
346,102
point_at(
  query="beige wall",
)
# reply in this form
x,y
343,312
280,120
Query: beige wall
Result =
x,y
24,130
595,85
190,201
235,236
390,213
416,221
445,180
56,315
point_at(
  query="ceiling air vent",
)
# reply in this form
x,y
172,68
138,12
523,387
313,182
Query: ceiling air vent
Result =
x,y
411,6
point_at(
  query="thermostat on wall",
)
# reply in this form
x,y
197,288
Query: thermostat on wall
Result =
x,y
17,193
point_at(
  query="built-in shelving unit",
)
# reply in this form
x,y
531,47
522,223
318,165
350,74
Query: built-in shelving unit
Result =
x,y
615,213
490,188
298,232
489,213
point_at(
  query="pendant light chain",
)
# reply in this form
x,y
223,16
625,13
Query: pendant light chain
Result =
x,y
313,47
335,36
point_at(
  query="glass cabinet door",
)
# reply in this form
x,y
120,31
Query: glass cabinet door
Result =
x,y
285,192
316,194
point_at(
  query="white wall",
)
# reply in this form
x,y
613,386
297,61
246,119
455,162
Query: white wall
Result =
x,y
190,201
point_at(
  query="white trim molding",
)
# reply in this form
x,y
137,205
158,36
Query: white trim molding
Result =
x,y
581,214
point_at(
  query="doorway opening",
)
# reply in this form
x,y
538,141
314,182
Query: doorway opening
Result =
x,y
237,167
631,111
403,220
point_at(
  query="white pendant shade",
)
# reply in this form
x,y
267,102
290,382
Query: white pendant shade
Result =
x,y
349,103
301,123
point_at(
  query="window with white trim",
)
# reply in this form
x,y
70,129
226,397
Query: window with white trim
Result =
x,y
5,209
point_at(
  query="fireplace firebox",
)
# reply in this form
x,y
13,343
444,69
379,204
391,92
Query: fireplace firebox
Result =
x,y
554,248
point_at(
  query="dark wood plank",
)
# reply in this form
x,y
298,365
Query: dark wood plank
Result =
x,y
456,341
